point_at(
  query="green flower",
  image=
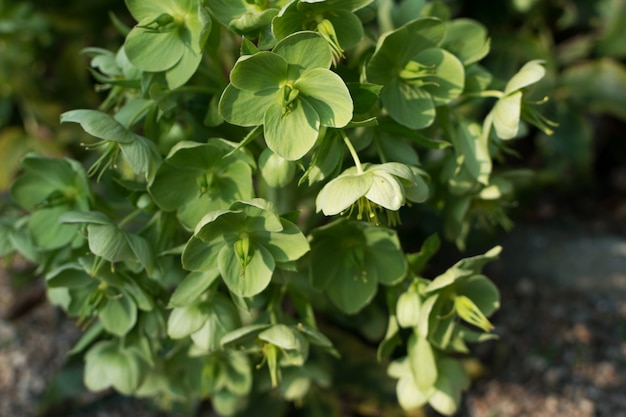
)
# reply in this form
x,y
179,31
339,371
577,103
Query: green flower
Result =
x,y
373,187
333,19
251,18
245,243
169,37
509,108
48,188
290,91
197,178
415,73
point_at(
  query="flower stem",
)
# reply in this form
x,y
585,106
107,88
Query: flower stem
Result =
x,y
355,156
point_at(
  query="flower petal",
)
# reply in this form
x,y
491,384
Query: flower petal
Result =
x,y
342,192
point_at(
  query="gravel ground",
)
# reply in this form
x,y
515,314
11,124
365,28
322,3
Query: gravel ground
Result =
x,y
562,350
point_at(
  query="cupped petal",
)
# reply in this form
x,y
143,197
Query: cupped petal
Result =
x,y
291,133
386,191
329,96
342,192
246,108
304,50
260,71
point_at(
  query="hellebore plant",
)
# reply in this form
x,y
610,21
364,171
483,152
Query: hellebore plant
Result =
x,y
265,173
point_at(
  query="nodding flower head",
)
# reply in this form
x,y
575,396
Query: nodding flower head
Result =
x,y
374,190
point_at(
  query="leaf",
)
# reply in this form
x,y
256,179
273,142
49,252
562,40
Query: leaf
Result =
x,y
222,318
261,71
119,315
448,80
68,275
276,170
282,336
183,321
408,105
452,381
364,96
246,108
293,133
287,245
192,287
304,50
467,39
395,49
246,280
353,288
326,92
385,255
242,335
108,365
482,292
100,125
153,51
48,232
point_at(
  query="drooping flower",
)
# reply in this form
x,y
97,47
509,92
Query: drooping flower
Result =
x,y
375,187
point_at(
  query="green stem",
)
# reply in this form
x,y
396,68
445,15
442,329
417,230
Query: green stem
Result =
x,y
128,218
355,156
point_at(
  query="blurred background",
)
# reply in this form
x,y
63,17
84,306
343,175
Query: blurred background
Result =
x,y
563,273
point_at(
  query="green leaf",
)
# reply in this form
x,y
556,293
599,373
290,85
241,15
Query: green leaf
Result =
x,y
447,393
448,79
108,365
276,170
68,275
119,315
46,179
352,288
467,39
385,255
408,105
222,318
246,108
482,292
287,245
395,49
304,51
153,51
47,231
326,92
183,321
470,144
293,133
282,336
246,280
192,287
100,125
242,335
200,256
261,71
